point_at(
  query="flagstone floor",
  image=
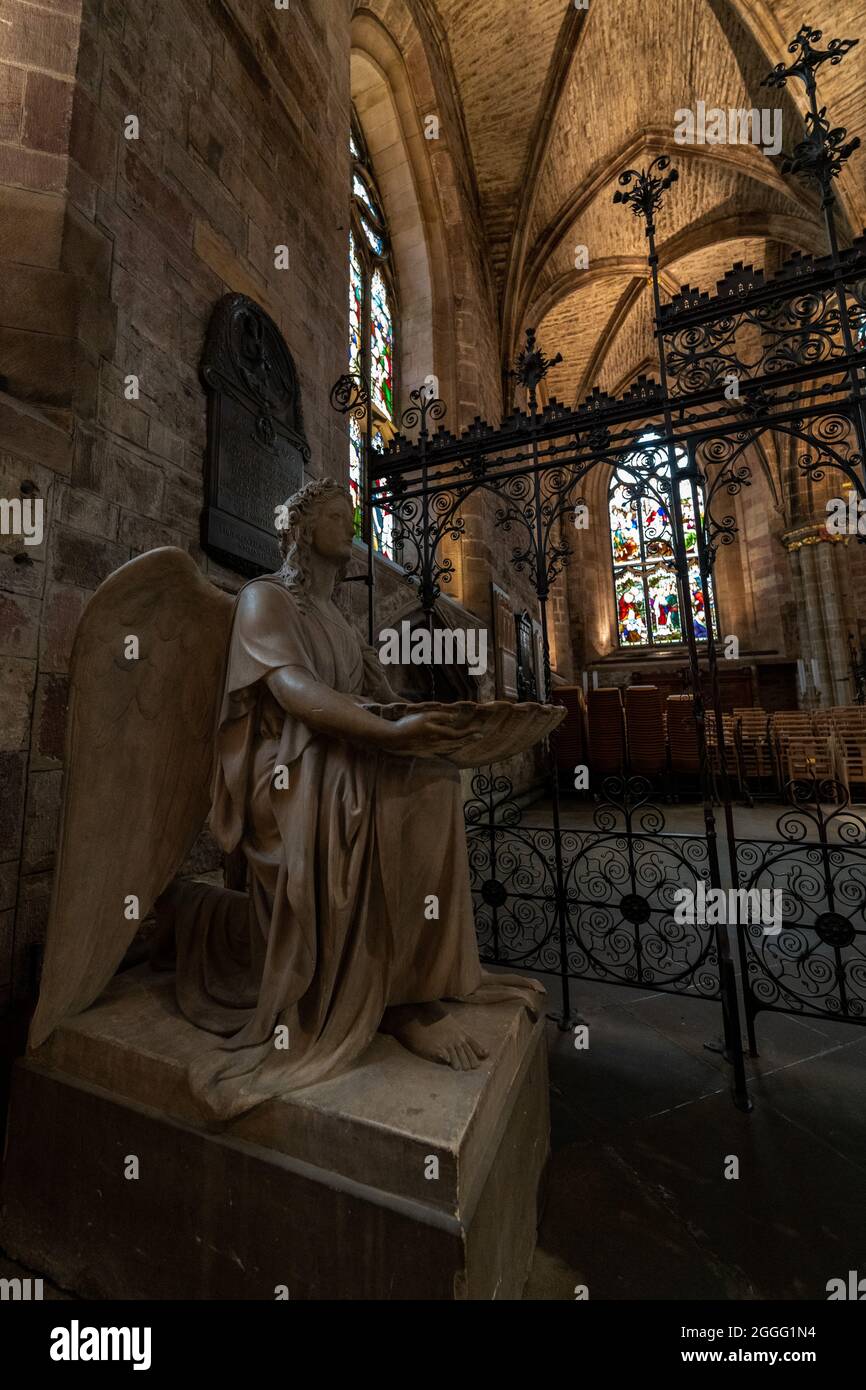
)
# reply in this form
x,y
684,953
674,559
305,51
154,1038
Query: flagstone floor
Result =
x,y
644,1128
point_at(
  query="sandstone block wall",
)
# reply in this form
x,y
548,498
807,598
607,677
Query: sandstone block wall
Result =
x,y
113,252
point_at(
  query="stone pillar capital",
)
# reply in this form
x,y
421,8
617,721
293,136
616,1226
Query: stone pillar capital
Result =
x,y
814,534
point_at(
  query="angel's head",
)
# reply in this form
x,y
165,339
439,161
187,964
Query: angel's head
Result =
x,y
321,519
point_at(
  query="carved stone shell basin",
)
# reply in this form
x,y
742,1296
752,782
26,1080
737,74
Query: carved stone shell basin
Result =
x,y
505,728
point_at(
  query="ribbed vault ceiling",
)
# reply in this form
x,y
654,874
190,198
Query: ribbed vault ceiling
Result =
x,y
556,101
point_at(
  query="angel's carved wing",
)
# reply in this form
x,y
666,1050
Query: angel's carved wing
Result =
x,y
145,687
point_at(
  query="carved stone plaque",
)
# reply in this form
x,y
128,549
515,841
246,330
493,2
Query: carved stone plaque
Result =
x,y
256,446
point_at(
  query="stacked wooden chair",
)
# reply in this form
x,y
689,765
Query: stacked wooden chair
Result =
x,y
729,762
683,754
645,730
606,731
797,751
754,750
846,726
763,751
802,757
571,740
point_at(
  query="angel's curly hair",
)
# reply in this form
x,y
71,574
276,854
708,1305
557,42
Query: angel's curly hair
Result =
x,y
294,531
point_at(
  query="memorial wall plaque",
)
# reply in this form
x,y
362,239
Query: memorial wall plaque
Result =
x,y
256,446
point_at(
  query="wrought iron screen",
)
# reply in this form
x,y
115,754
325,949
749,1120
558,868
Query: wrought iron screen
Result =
x,y
597,903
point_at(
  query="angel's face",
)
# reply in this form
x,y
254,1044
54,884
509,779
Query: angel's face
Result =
x,y
333,528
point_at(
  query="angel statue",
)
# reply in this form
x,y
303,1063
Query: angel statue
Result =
x,y
267,710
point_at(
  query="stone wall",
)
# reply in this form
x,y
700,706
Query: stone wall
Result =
x,y
114,251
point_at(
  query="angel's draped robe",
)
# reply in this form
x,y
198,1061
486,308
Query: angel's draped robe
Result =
x,y
345,845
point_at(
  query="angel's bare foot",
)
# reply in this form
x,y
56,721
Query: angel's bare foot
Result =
x,y
430,1032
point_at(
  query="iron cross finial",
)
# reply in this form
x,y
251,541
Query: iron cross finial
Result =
x,y
645,189
809,59
532,366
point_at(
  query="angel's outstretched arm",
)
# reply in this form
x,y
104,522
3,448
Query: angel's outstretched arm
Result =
x,y
332,713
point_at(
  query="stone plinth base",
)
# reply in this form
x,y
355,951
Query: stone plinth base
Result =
x,y
324,1192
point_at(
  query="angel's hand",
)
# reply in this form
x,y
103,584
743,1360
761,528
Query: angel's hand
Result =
x,y
427,734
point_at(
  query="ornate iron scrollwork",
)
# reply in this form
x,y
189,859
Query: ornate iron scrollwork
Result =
x,y
823,152
646,189
782,353
816,963
532,366
350,396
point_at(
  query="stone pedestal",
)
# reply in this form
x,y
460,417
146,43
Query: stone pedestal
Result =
x,y
324,1192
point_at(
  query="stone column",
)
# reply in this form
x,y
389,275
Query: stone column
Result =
x,y
804,691
820,615
828,558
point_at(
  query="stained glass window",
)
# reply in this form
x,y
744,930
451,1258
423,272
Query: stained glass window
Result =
x,y
356,453
356,307
631,606
371,333
383,520
375,241
646,590
382,347
360,190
